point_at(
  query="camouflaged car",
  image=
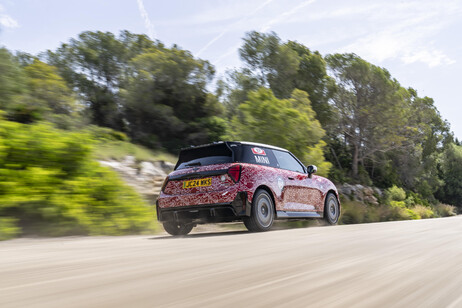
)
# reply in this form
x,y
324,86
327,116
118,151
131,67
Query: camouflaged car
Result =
x,y
243,181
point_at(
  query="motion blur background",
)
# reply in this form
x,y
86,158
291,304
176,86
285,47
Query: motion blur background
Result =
x,y
353,87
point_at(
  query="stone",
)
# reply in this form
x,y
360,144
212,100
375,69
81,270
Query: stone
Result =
x,y
129,161
149,169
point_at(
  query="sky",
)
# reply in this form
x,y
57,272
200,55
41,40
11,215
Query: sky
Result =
x,y
418,42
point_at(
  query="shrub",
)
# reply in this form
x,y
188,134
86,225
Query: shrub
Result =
x,y
353,212
395,193
444,210
50,185
398,204
423,212
105,134
8,228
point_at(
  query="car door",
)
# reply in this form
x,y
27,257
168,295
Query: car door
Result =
x,y
300,193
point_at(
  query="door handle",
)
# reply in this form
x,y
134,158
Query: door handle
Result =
x,y
291,178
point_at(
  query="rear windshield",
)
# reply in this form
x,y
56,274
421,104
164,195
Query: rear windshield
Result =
x,y
203,156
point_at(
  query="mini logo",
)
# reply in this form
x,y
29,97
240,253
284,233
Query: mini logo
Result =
x,y
258,151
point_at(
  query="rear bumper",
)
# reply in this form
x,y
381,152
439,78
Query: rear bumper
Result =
x,y
206,213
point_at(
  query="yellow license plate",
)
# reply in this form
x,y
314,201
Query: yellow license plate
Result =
x,y
197,183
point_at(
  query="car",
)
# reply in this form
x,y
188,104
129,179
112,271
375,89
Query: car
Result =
x,y
243,181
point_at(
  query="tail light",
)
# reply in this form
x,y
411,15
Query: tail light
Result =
x,y
234,172
164,184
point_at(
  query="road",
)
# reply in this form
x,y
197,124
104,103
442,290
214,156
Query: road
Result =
x,y
392,264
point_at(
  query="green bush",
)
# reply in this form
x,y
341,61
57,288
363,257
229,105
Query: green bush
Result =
x,y
354,212
8,228
105,134
444,210
50,185
395,193
423,212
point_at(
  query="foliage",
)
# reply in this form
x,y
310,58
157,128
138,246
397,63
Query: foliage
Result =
x,y
444,210
423,212
371,108
166,100
395,193
96,63
354,212
12,81
8,228
288,123
354,117
284,67
49,95
50,185
451,173
157,95
235,89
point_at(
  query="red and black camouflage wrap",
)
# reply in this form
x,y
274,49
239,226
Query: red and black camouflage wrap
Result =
x,y
291,191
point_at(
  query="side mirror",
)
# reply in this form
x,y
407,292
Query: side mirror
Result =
x,y
311,169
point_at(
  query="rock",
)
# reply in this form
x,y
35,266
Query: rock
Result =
x,y
359,193
129,161
167,167
346,190
146,178
367,191
378,191
148,169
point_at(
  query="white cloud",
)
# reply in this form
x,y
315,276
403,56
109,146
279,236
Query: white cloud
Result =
x,y
6,20
404,31
147,22
432,58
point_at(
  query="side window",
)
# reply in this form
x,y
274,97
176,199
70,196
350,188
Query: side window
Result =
x,y
288,162
259,156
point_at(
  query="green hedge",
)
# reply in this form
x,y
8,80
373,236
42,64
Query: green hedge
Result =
x,y
51,186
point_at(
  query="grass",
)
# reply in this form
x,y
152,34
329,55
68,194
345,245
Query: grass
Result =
x,y
354,212
118,150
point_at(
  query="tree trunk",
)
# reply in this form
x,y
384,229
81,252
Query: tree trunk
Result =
x,y
354,166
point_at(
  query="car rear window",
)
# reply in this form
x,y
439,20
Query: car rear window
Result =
x,y
204,156
257,155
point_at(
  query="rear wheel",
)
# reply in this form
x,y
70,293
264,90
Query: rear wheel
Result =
x,y
174,228
331,209
262,214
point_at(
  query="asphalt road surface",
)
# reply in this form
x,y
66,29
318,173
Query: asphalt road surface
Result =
x,y
393,264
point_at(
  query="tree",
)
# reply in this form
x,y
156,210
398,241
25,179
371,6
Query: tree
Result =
x,y
288,123
371,107
451,172
49,92
167,102
236,87
12,80
284,67
96,64
417,163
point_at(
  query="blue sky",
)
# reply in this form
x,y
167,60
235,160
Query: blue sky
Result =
x,y
419,42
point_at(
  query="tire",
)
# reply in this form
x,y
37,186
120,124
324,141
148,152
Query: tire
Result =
x,y
331,209
175,229
262,213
